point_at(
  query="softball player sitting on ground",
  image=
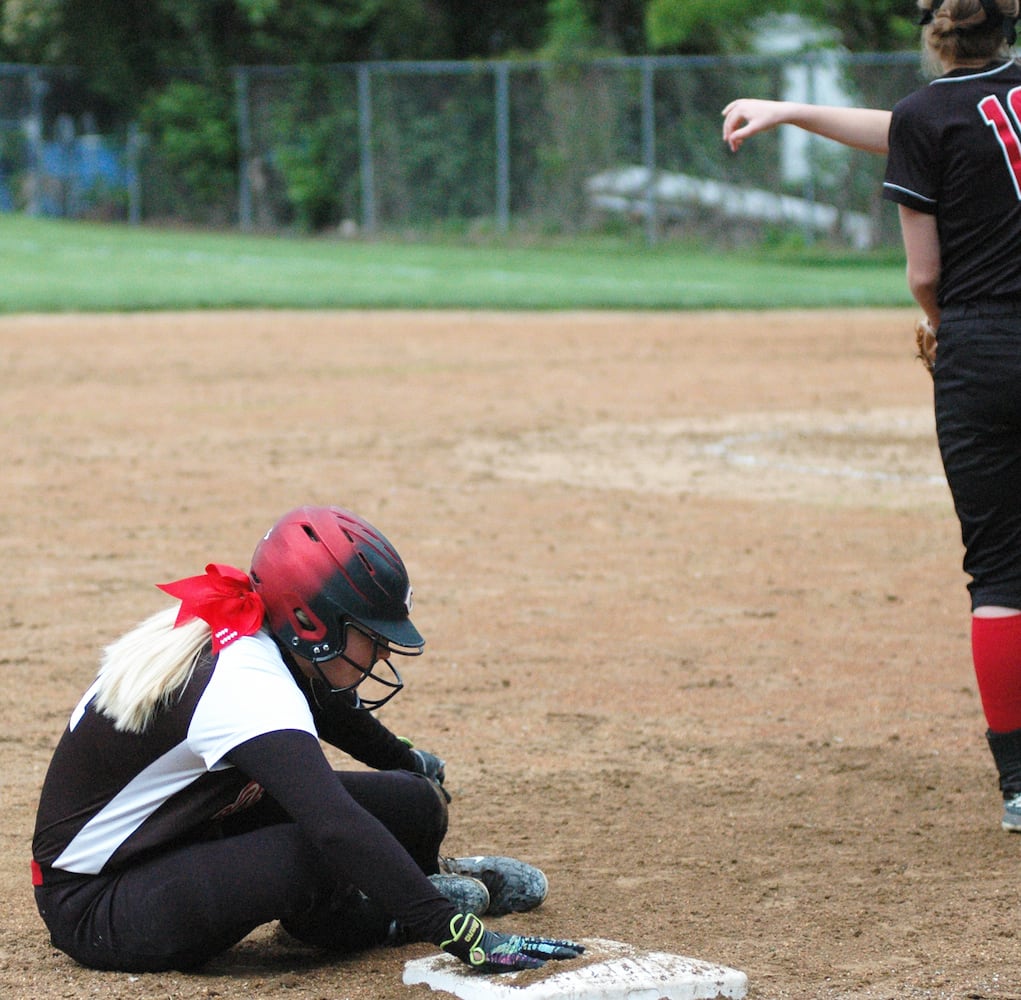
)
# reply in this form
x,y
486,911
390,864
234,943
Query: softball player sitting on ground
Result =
x,y
189,799
954,170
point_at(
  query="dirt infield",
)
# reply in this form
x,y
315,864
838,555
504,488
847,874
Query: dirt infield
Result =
x,y
697,628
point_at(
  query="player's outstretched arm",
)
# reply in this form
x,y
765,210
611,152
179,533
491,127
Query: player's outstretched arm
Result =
x,y
861,128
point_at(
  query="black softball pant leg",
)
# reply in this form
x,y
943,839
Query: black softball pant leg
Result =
x,y
978,421
179,909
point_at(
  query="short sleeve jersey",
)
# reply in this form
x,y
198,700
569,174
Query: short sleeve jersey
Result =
x,y
955,152
110,796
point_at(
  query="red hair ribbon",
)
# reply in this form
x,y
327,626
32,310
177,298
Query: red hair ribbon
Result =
x,y
223,598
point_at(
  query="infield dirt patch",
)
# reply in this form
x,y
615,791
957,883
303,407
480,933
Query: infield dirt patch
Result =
x,y
697,631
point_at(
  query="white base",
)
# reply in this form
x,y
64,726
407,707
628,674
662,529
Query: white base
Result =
x,y
623,973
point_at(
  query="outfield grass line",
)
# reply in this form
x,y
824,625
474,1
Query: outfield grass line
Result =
x,y
53,266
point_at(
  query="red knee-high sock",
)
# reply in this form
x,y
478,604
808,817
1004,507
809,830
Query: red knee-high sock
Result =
x,y
996,651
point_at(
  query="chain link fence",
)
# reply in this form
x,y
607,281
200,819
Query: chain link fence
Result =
x,y
469,147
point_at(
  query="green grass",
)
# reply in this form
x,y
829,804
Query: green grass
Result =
x,y
53,266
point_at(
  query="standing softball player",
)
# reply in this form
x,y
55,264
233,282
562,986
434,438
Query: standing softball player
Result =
x,y
954,170
189,800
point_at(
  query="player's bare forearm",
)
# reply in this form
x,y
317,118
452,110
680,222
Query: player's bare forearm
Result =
x,y
860,128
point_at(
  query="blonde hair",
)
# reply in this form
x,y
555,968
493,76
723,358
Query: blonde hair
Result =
x,y
959,35
140,672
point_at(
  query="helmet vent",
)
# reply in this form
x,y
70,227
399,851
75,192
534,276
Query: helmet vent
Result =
x,y
368,566
303,619
310,531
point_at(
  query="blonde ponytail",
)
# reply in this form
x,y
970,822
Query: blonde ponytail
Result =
x,y
140,672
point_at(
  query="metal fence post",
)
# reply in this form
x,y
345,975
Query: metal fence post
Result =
x,y
244,148
649,150
502,109
365,149
134,163
808,189
34,133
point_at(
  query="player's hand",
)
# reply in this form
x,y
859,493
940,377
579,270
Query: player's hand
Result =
x,y
490,951
433,767
746,116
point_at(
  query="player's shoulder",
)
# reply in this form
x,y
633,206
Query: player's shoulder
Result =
x,y
254,662
919,113
252,650
251,692
1008,75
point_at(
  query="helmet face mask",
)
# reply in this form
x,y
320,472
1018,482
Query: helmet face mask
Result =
x,y
322,570
389,682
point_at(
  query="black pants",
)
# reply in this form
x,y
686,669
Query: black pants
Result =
x,y
978,421
177,910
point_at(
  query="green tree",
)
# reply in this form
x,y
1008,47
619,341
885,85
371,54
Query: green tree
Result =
x,y
310,32
729,25
192,131
697,25
866,25
126,48
569,32
121,48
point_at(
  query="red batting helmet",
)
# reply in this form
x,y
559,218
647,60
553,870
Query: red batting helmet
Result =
x,y
318,569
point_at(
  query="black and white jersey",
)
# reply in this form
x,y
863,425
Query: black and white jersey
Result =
x,y
955,152
110,797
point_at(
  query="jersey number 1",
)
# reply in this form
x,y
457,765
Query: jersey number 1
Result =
x,y
1006,131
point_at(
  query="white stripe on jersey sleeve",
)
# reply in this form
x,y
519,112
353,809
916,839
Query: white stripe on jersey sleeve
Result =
x,y
914,194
